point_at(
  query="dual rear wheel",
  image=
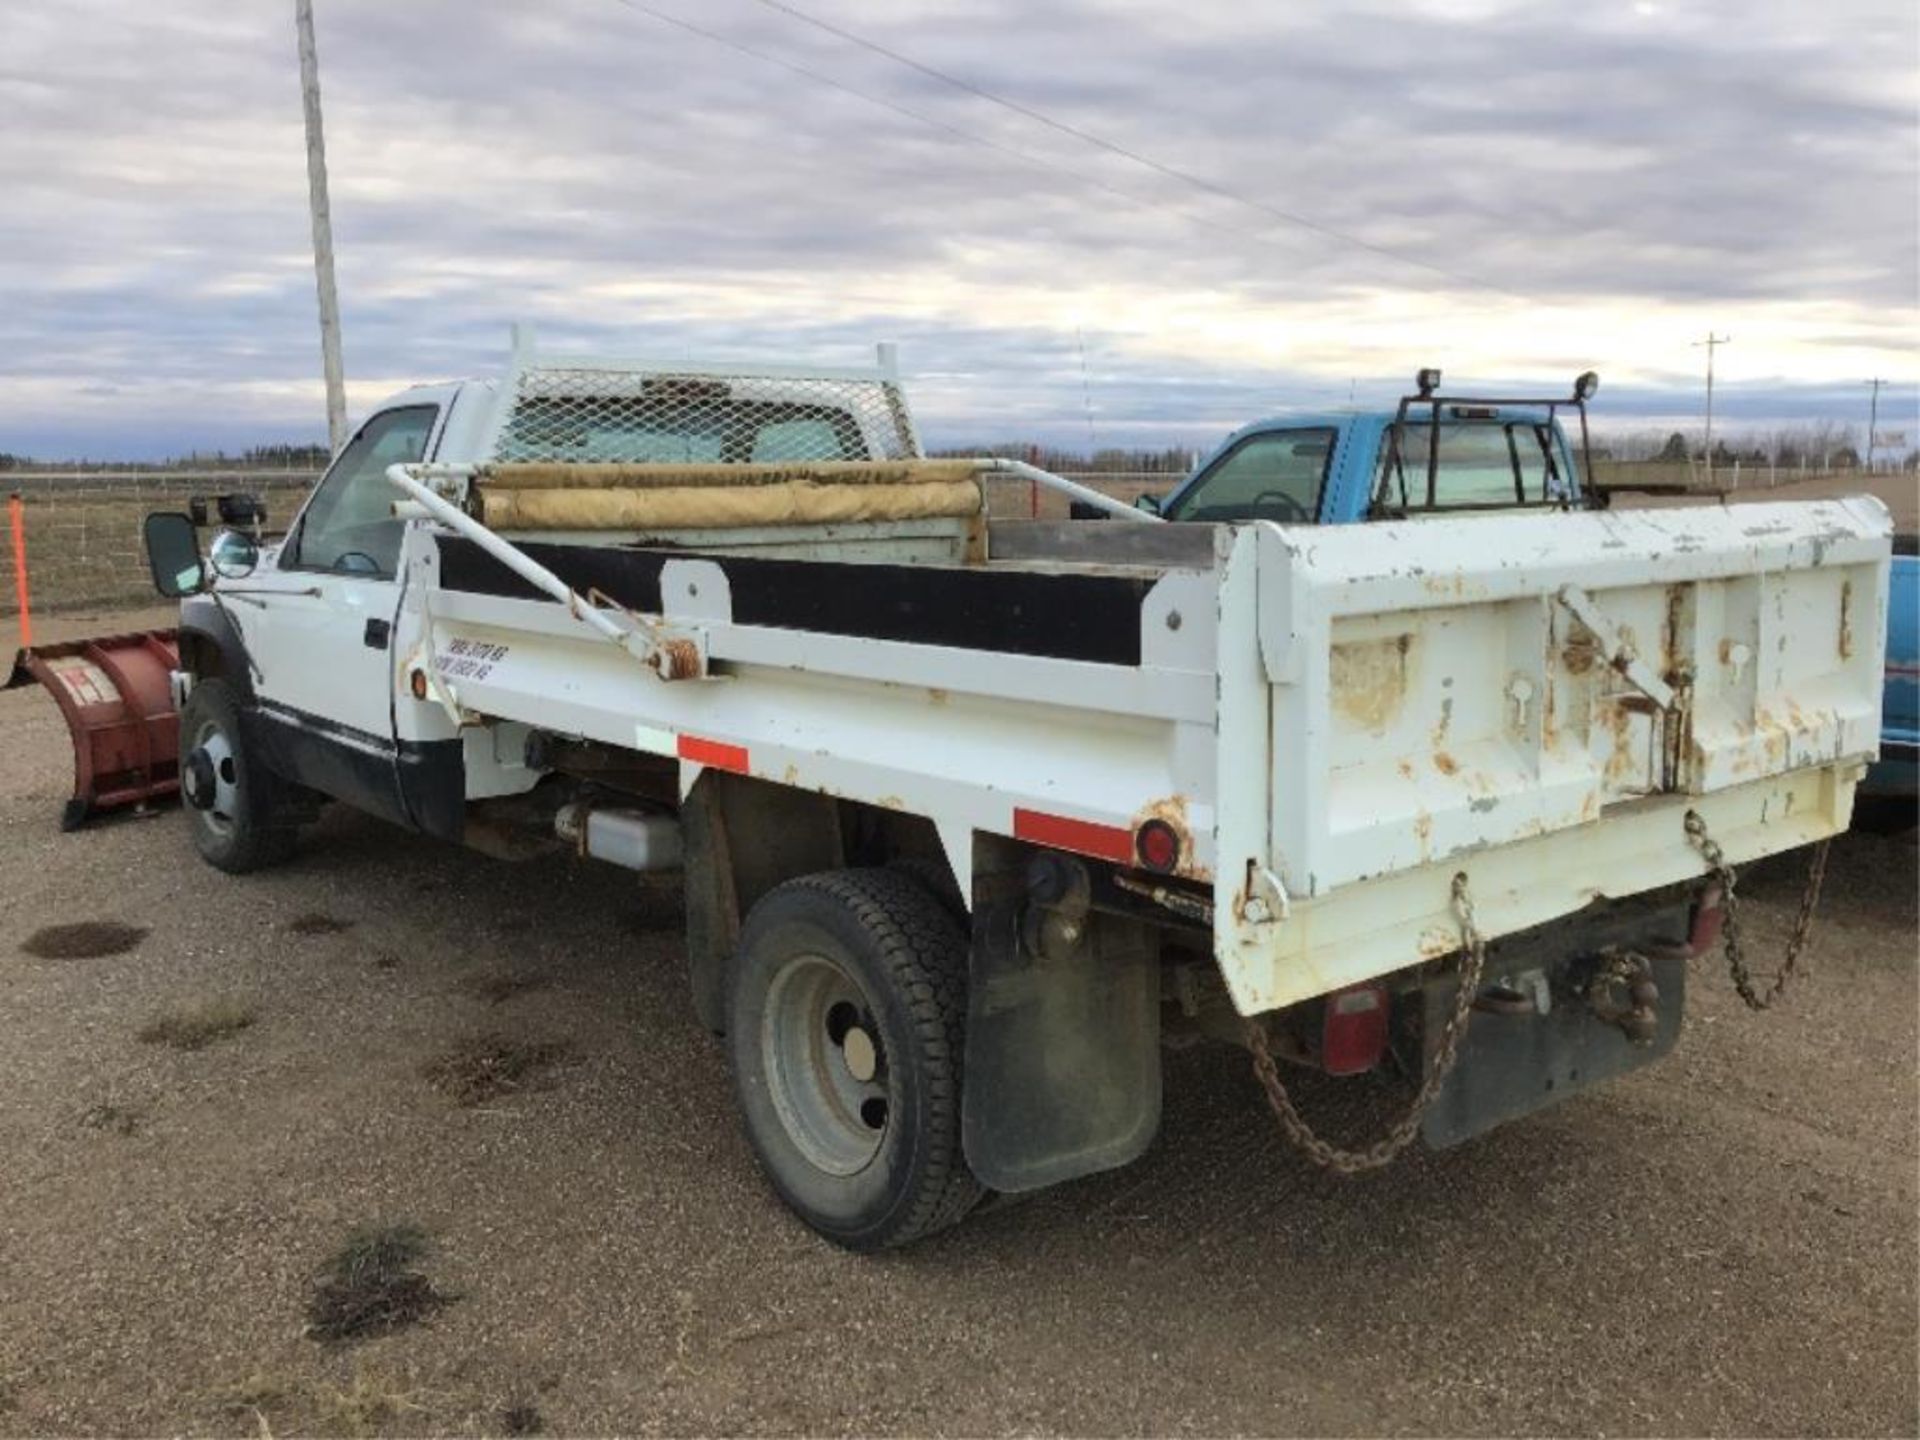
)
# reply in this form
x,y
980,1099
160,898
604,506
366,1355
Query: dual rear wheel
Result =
x,y
846,1026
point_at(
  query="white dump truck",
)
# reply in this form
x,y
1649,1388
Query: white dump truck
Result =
x,y
975,817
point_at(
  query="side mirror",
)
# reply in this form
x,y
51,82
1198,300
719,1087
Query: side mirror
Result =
x,y
233,555
173,555
1148,503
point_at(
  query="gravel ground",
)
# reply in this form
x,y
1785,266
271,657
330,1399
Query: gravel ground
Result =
x,y
1723,1244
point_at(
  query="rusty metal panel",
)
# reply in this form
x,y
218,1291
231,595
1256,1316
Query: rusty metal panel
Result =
x,y
1536,699
114,694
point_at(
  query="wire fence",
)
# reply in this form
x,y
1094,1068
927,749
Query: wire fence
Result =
x,y
82,532
84,547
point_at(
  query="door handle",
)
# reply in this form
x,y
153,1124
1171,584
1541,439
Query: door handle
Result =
x,y
377,633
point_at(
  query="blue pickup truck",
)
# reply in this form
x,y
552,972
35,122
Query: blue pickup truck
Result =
x,y
1438,453
1434,453
1892,788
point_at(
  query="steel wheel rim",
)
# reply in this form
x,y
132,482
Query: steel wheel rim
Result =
x,y
826,1067
219,815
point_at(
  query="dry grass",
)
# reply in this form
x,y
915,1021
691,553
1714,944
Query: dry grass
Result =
x,y
370,1402
197,1026
372,1285
486,1067
84,940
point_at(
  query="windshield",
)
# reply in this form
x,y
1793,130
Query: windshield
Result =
x,y
1482,465
1273,476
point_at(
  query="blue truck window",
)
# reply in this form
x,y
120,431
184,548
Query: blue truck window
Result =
x,y
1277,476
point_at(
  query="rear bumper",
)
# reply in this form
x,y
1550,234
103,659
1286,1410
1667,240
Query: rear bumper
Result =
x,y
1512,1064
1374,927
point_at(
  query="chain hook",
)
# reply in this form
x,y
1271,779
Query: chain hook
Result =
x,y
1446,1054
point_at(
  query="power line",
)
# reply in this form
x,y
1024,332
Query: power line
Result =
x,y
1160,167
1023,157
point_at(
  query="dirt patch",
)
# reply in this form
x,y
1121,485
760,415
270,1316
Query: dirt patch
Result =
x,y
316,922
197,1026
372,1285
486,1067
496,989
83,940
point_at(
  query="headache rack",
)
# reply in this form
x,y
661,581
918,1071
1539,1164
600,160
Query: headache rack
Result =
x,y
1469,408
601,410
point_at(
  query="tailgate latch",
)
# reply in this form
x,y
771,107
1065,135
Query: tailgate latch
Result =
x,y
1620,656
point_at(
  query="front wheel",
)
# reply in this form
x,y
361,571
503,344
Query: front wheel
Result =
x,y
847,1012
235,805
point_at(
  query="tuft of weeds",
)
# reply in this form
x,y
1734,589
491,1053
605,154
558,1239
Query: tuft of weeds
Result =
x,y
485,1067
497,989
520,1417
114,1119
83,940
197,1026
316,922
370,1403
372,1285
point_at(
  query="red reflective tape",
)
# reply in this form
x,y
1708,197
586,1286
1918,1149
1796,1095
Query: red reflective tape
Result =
x,y
1108,842
716,753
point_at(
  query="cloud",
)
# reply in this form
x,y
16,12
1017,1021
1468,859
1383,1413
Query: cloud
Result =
x,y
1620,178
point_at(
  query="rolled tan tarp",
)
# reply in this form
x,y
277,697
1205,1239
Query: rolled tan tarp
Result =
x,y
531,475
723,505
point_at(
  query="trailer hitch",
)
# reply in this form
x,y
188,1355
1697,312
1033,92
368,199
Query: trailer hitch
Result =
x,y
1636,1015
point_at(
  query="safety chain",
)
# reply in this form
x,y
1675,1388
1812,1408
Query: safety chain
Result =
x,y
1716,860
1381,1152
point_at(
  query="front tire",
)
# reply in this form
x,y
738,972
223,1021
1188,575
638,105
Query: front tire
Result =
x,y
847,1015
235,806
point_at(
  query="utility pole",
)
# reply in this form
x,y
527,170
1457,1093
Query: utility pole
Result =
x,y
322,230
1712,342
1873,418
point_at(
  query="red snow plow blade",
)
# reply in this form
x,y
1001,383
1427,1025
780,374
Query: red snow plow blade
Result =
x,y
114,692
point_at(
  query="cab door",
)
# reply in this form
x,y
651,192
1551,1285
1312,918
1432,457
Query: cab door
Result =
x,y
318,624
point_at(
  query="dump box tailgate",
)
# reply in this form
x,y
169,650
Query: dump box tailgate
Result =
x,y
1535,700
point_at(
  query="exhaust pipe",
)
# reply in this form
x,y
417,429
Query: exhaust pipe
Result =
x,y
635,839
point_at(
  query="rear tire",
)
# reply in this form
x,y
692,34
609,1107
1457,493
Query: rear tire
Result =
x,y
846,1023
235,806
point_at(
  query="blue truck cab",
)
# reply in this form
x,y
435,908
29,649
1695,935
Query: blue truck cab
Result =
x,y
1432,454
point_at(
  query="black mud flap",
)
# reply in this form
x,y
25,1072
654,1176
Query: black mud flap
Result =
x,y
1063,1056
1513,1064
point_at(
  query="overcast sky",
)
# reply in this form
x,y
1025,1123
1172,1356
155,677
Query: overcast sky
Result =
x,y
1525,190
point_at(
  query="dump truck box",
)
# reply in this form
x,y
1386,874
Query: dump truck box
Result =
x,y
1334,722
1534,700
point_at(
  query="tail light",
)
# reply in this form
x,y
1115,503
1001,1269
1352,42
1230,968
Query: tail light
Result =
x,y
1353,1036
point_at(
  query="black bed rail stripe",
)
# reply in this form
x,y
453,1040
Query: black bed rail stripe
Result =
x,y
1094,618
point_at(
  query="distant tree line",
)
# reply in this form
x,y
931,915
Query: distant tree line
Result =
x,y
1110,460
258,457
1812,445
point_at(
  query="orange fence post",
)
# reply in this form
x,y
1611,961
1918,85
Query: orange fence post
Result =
x,y
17,519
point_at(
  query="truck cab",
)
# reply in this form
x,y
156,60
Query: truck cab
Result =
x,y
1433,455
